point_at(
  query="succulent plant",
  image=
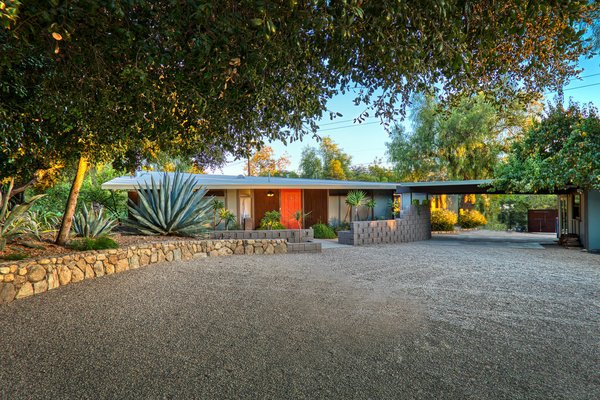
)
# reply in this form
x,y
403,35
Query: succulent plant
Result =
x,y
355,199
92,224
13,222
171,206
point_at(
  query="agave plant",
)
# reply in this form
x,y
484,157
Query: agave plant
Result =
x,y
355,199
92,224
40,223
13,222
171,206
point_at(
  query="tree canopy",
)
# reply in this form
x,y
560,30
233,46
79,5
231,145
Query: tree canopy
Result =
x,y
559,151
263,163
461,141
115,80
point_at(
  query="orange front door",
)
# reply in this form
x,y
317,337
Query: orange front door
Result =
x,y
291,201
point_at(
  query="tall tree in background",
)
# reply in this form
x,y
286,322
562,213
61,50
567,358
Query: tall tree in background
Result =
x,y
89,81
460,142
562,149
264,163
311,165
336,163
329,161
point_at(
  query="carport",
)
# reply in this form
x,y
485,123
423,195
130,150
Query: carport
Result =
x,y
578,210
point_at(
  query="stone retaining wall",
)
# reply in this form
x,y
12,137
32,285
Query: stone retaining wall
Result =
x,y
414,224
28,277
291,235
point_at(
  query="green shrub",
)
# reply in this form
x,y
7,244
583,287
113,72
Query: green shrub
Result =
x,y
172,206
342,226
443,220
471,219
92,224
271,221
323,231
101,243
227,217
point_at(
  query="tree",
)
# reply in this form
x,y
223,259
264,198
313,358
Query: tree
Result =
x,y
559,151
336,163
92,81
373,172
263,163
460,142
311,165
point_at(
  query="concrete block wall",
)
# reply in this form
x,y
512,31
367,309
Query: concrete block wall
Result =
x,y
306,247
414,224
291,235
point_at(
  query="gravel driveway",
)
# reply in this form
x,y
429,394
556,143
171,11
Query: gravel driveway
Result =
x,y
425,320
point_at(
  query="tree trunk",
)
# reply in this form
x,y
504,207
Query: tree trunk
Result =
x,y
65,226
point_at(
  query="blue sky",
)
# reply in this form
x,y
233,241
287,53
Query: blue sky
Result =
x,y
365,142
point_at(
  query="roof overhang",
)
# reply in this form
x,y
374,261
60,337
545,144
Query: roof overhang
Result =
x,y
482,186
224,182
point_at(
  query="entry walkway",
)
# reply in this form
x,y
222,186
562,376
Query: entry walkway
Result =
x,y
496,238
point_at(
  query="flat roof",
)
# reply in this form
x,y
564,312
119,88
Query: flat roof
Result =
x,y
446,187
221,182
480,186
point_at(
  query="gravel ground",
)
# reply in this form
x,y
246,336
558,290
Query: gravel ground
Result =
x,y
424,320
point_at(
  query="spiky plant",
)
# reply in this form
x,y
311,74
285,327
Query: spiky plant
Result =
x,y
171,206
227,217
370,204
355,199
92,223
13,222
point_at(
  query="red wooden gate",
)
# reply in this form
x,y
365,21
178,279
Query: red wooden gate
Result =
x,y
541,220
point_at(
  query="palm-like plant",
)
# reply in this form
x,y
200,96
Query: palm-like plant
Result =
x,y
171,206
227,217
92,223
355,199
13,222
216,205
370,204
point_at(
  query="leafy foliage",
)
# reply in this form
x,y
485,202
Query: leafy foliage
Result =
x,y
443,220
560,150
92,224
322,231
88,243
264,163
227,217
171,206
468,219
463,141
271,220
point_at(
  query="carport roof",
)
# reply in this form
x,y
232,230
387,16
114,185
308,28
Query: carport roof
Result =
x,y
481,186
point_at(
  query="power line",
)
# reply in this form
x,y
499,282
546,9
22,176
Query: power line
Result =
x,y
581,87
348,126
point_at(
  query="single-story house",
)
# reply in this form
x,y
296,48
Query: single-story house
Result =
x,y
578,210
250,197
